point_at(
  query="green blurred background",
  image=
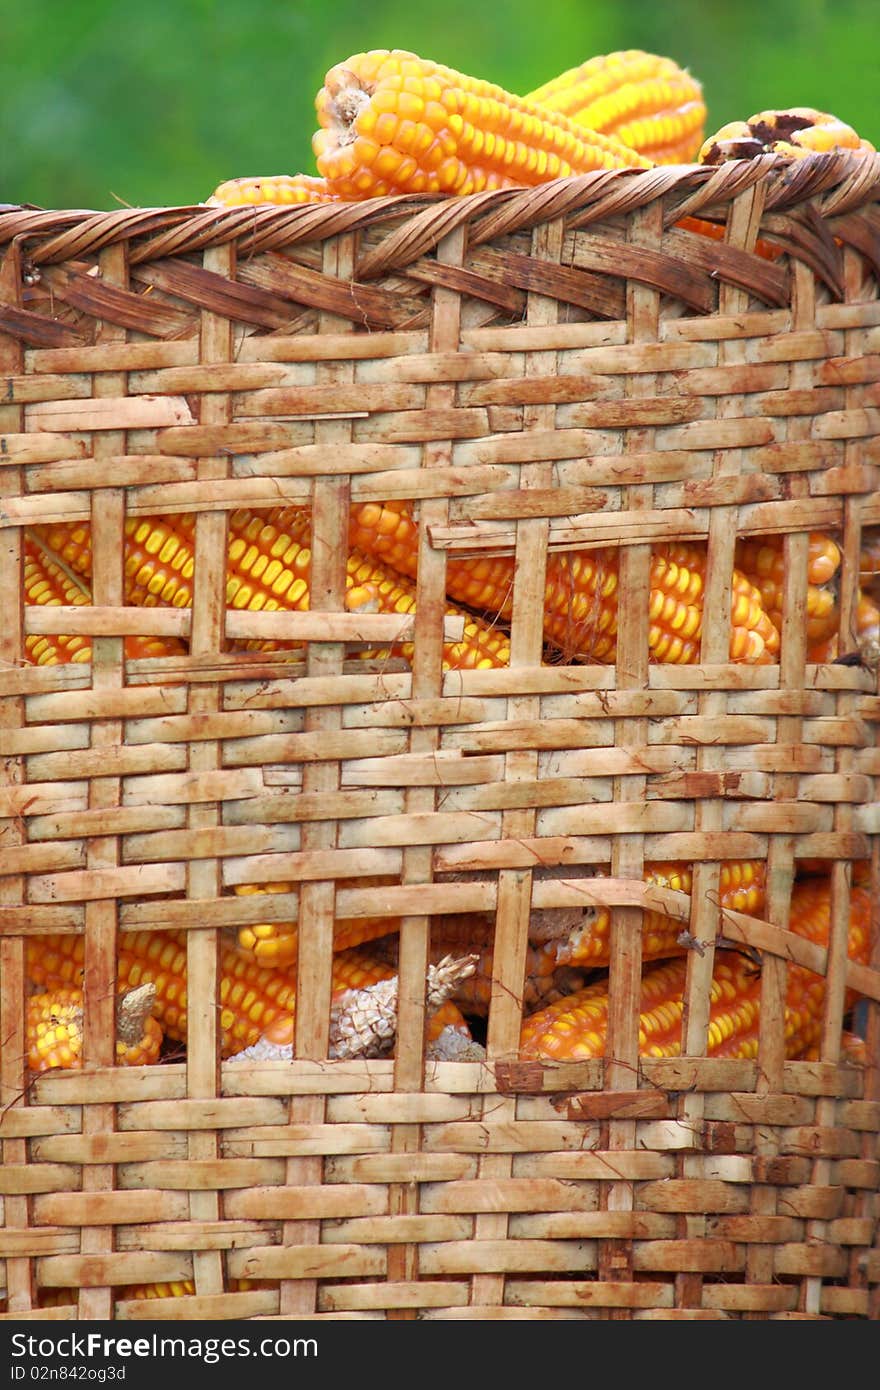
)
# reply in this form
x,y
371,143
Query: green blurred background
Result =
x,y
108,102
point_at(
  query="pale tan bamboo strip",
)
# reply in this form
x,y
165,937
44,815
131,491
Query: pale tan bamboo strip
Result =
x,y
56,708
337,1299
114,1208
598,1293
112,413
507,1256
510,1195
20,920
388,1168
93,1272
503,1138
399,1229
307,1262
500,735
688,1256
20,1179
327,591
24,1122
91,1150
860,1114
357,399
62,1314
251,1304
44,858
114,760
294,1203
102,852
20,448
30,1243
592,1225
858,1173
194,1235
760,1109
629,528
286,625
91,885
207,1175
415,1107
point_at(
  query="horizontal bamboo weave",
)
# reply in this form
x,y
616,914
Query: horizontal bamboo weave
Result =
x,y
562,367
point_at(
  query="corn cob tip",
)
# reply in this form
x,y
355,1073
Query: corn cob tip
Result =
x,y
133,1008
451,1045
446,975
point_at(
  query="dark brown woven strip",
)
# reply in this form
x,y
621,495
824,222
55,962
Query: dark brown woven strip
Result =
x,y
36,329
844,181
103,301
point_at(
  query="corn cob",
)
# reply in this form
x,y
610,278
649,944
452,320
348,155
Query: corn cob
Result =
x,y
285,190
363,1014
254,1001
47,582
391,122
268,571
276,943
646,101
853,1049
762,561
581,593
796,132
576,1027
564,944
54,1028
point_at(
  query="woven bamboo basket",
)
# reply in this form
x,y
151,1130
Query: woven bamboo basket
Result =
x,y
560,368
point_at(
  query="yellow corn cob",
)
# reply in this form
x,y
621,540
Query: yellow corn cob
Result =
x,y
762,561
581,594
646,101
268,571
796,132
54,1028
253,1000
565,945
391,122
576,1027
47,582
853,1049
285,190
276,943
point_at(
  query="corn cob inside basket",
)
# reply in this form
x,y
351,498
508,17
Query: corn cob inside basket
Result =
x,y
268,571
575,1027
254,1002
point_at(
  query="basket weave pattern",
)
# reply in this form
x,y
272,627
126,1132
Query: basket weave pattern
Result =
x,y
559,368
